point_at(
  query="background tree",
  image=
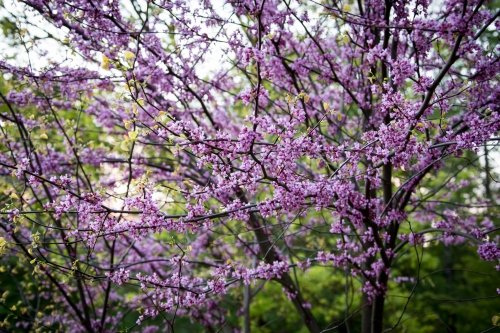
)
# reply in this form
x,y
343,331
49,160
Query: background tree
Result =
x,y
191,165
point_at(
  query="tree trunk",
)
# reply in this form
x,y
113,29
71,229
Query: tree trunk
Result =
x,y
378,314
246,308
299,303
366,315
373,315
269,255
373,312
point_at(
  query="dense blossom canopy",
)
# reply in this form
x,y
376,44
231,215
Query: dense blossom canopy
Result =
x,y
167,153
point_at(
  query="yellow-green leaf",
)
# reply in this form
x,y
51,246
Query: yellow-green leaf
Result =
x,y
105,62
495,320
129,55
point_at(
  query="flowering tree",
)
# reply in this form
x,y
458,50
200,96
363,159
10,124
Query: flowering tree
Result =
x,y
162,159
